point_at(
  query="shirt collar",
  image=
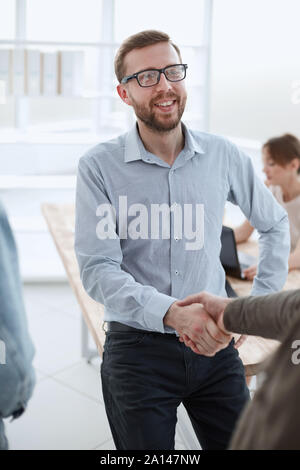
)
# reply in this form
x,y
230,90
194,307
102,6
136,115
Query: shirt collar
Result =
x,y
135,150
192,145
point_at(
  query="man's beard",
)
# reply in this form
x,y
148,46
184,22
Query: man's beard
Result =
x,y
149,118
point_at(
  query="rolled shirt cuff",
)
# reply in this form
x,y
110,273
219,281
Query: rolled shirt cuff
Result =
x,y
155,310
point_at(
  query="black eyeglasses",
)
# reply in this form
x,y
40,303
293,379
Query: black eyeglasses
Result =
x,y
150,77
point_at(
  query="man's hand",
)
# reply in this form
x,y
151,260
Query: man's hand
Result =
x,y
250,272
194,322
214,306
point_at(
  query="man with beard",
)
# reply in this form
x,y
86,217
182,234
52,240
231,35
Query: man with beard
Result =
x,y
146,372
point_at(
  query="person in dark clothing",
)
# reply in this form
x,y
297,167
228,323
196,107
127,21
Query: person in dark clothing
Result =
x,y
271,420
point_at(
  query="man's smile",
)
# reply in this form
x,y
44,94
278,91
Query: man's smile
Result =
x,y
166,106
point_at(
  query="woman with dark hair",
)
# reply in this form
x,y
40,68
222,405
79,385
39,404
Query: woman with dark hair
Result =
x,y
281,159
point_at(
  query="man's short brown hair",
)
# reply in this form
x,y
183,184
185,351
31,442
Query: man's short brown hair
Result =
x,y
137,41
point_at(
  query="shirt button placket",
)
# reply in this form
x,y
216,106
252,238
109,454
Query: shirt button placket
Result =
x,y
175,273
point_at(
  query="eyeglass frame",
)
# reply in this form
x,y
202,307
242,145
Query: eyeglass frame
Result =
x,y
135,75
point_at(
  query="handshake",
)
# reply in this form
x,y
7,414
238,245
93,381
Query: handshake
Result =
x,y
199,321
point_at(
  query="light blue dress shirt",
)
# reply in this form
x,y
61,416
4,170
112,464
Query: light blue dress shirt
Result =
x,y
138,277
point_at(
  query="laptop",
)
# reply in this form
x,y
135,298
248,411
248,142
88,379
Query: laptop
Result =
x,y
233,261
230,290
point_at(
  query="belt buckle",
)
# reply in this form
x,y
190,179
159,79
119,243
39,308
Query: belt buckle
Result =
x,y
103,326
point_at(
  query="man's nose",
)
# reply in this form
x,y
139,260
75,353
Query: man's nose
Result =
x,y
164,83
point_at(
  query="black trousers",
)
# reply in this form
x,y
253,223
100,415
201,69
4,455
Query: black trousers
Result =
x,y
145,376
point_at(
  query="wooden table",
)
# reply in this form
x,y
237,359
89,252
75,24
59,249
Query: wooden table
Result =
x,y
61,223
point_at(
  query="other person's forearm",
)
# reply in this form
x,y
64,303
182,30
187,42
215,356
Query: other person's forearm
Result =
x,y
269,316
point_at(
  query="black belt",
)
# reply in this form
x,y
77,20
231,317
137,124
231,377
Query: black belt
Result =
x,y
116,326
120,327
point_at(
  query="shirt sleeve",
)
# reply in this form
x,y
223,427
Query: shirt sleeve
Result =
x,y
270,316
267,216
100,260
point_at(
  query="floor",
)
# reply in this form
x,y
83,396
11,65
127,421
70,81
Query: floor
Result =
x,y
66,410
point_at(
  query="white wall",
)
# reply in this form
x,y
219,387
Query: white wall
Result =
x,y
255,59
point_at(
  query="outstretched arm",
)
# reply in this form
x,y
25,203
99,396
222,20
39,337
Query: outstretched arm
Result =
x,y
269,316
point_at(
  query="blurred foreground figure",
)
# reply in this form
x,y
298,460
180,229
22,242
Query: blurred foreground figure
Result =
x,y
17,376
271,420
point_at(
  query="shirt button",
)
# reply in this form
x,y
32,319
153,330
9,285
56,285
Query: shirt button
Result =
x,y
176,239
176,272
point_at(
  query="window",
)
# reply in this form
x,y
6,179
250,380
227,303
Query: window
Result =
x,y
7,31
95,28
64,20
7,19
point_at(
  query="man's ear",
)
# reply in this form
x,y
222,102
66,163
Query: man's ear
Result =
x,y
122,92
